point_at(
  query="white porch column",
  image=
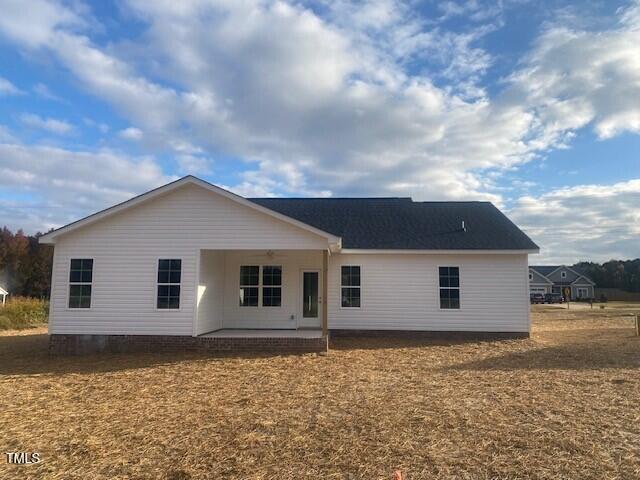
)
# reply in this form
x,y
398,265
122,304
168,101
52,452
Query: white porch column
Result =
x,y
325,291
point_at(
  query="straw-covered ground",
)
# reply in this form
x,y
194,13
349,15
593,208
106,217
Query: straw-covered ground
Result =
x,y
564,404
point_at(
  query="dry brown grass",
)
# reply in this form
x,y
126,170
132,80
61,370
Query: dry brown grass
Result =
x,y
23,312
562,405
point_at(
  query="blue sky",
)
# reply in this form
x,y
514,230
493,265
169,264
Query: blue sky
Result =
x,y
532,105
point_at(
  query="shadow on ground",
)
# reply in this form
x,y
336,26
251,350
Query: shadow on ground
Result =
x,y
613,348
607,348
29,355
380,343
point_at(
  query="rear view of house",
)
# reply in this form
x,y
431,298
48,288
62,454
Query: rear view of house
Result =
x,y
192,265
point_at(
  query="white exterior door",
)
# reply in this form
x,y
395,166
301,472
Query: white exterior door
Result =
x,y
310,301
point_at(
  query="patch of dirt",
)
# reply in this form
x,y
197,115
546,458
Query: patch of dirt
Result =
x,y
560,405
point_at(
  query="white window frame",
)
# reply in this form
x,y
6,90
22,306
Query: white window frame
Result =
x,y
459,288
157,269
583,289
359,287
70,283
530,276
563,274
261,286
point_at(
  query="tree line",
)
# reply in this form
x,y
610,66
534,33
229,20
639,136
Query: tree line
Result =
x,y
25,264
25,267
622,274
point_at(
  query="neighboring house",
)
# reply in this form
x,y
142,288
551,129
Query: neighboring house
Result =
x,y
192,264
567,281
3,294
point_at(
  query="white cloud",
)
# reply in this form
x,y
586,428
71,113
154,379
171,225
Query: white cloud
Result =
x,y
585,222
573,78
43,90
8,88
66,185
5,134
193,165
37,24
131,133
103,127
332,102
51,124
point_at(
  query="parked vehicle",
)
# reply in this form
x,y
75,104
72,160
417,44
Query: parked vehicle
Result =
x,y
553,298
536,298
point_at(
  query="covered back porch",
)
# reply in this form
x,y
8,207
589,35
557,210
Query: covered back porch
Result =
x,y
274,296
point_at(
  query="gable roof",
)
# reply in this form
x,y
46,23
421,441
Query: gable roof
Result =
x,y
583,277
546,270
538,276
402,224
189,179
365,223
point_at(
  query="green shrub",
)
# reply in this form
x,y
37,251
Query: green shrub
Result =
x,y
23,312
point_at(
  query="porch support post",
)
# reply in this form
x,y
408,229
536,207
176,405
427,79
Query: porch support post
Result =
x,y
325,291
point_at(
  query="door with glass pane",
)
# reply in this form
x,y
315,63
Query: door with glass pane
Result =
x,y
310,301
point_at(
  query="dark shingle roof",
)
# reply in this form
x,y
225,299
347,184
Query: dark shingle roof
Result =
x,y
401,223
547,269
544,269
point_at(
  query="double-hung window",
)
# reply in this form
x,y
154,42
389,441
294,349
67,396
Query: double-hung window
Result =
x,y
271,286
449,287
350,286
255,279
249,285
169,279
80,279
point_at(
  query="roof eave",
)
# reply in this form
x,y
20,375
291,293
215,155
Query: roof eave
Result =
x,y
439,251
335,242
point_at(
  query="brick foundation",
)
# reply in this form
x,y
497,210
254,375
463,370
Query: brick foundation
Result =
x,y
61,344
439,335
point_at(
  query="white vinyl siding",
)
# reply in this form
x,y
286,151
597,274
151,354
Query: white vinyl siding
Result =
x,y
126,249
401,292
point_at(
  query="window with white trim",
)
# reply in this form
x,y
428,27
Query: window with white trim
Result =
x,y
80,280
256,280
563,274
249,285
531,276
449,287
271,286
350,286
169,280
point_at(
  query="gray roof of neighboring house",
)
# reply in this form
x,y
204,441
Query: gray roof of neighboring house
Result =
x,y
547,269
544,269
401,223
